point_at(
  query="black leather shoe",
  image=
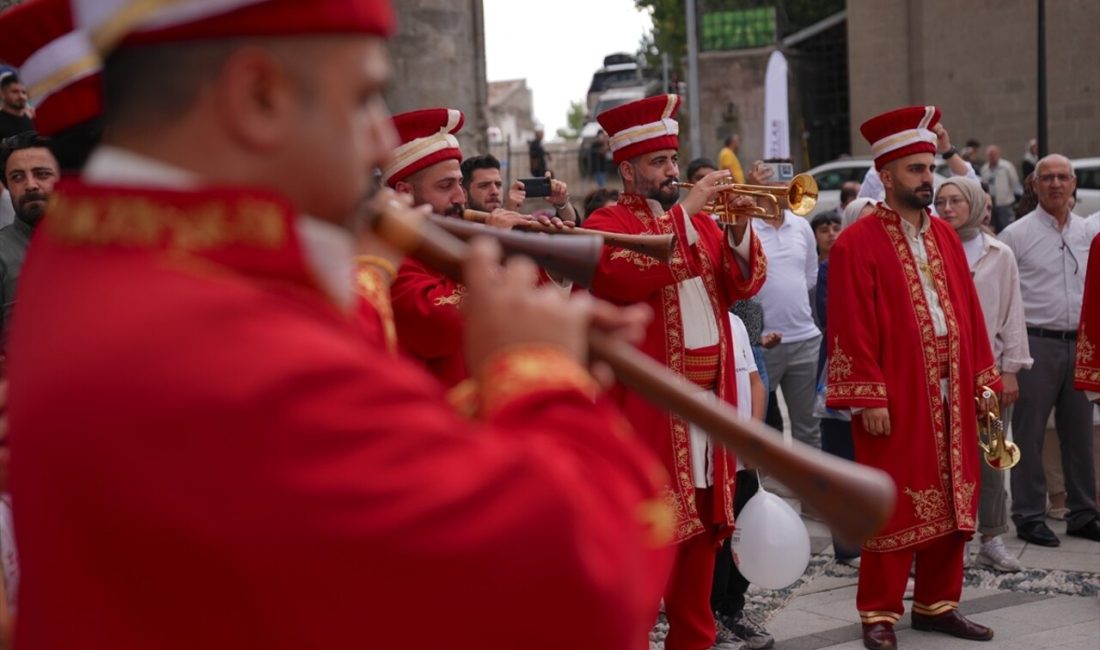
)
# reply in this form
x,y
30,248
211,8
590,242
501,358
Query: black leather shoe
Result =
x,y
879,636
952,623
1037,532
1090,530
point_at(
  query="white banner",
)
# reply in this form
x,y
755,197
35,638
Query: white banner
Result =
x,y
777,129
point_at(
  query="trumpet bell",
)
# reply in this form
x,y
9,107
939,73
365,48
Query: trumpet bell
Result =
x,y
802,195
997,452
799,196
1006,458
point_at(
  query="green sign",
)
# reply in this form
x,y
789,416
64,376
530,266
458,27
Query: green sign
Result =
x,y
738,29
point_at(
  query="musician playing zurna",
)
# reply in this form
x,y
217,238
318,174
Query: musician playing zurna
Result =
x,y
209,454
691,295
908,352
426,303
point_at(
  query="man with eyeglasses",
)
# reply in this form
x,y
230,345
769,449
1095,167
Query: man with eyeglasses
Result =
x,y
1051,245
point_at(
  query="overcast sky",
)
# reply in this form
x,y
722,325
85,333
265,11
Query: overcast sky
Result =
x,y
557,46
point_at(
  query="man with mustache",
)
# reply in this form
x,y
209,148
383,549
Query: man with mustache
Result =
x,y
426,166
1051,245
29,174
230,440
691,296
907,352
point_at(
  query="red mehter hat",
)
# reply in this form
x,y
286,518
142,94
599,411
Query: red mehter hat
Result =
x,y
901,132
55,61
427,137
115,23
642,126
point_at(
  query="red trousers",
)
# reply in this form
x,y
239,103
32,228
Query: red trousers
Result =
x,y
882,578
687,598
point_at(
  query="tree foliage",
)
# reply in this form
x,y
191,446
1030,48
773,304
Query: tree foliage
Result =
x,y
574,120
669,34
670,22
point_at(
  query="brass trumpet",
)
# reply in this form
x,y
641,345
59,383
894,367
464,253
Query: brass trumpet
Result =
x,y
799,196
999,453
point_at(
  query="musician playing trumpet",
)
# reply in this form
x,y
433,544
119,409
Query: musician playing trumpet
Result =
x,y
690,296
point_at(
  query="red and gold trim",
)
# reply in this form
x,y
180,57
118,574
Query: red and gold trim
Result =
x,y
879,616
373,284
935,609
987,377
172,221
869,394
958,504
701,367
520,371
1086,373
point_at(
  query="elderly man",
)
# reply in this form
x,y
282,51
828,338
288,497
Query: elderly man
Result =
x,y
1051,245
1004,186
234,465
908,352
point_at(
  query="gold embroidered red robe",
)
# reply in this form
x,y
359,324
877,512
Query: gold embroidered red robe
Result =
x,y
626,277
210,454
1086,374
429,323
883,353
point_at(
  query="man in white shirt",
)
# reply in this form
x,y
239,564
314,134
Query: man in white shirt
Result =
x,y
1051,245
791,249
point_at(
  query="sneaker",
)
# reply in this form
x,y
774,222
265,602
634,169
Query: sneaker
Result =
x,y
849,561
994,555
751,633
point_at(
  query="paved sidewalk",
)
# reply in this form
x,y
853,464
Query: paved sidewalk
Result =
x,y
1053,603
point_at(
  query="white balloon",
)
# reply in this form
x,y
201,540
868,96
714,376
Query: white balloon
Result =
x,y
771,545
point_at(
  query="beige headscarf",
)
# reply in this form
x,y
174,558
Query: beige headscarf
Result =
x,y
975,196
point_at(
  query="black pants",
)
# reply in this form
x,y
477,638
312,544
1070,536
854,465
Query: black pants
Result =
x,y
727,594
836,439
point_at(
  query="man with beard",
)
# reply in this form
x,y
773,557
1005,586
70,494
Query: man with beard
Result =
x,y
484,188
691,296
908,352
188,301
29,173
1051,245
425,302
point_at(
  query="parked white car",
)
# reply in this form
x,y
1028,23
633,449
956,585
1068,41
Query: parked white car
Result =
x,y
1087,171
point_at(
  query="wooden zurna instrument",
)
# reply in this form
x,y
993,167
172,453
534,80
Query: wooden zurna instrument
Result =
x,y
854,500
658,247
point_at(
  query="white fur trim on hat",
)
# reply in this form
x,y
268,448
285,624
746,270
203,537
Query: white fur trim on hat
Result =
x,y
412,151
907,137
108,21
58,64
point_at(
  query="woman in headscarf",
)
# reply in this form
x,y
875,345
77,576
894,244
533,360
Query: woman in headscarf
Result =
x,y
962,203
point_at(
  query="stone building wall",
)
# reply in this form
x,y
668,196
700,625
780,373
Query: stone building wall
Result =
x,y
977,61
439,60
